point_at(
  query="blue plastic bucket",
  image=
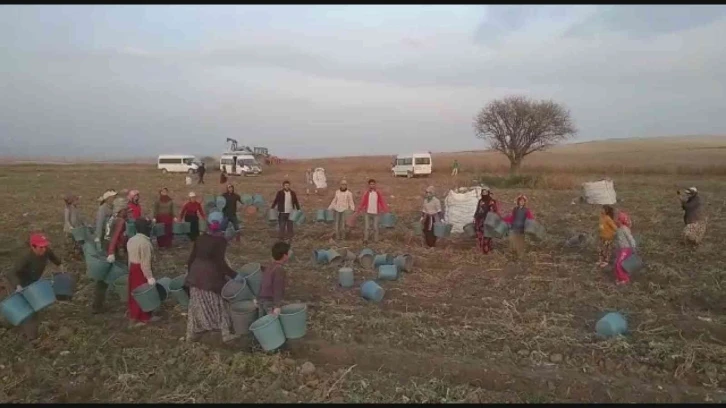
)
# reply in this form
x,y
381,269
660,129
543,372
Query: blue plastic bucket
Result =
x,y
404,262
382,259
117,270
469,230
268,332
16,309
97,268
257,199
89,248
253,276
176,288
329,215
492,220
388,220
81,234
147,297
346,277
533,228
633,264
372,291
39,294
388,272
320,256
612,324
247,199
236,290
64,284
334,258
294,320
320,216
442,230
297,216
501,230
365,258
181,228
162,286
243,314
220,202
417,228
272,215
130,228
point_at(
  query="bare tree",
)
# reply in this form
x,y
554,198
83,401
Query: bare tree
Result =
x,y
517,126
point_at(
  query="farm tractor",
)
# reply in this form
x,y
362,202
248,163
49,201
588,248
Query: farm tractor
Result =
x,y
261,154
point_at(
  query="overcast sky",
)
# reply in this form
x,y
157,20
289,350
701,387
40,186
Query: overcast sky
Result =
x,y
311,81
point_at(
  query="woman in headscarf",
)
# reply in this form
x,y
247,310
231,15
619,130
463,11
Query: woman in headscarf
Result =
x,y
208,273
117,227
192,212
431,212
485,205
140,252
695,227
72,219
516,220
626,246
608,227
134,205
105,211
164,214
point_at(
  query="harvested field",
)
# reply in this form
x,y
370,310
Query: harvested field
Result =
x,y
461,327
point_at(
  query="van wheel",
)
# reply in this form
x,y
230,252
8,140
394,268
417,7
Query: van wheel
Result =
x,y
409,175
164,171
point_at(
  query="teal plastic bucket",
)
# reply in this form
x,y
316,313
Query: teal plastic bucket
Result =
x,y
89,249
97,268
243,313
501,230
346,277
404,262
117,270
130,228
176,288
612,324
469,230
247,199
348,255
121,288
39,294
417,228
253,276
365,258
181,228
64,284
388,220
294,320
372,291
320,256
147,297
236,291
633,264
492,220
299,217
81,234
442,230
334,258
388,272
268,332
272,215
220,202
159,230
329,215
16,309
320,216
257,199
533,228
382,259
162,286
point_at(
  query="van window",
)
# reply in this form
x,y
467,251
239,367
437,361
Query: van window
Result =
x,y
169,161
423,160
227,161
404,162
188,161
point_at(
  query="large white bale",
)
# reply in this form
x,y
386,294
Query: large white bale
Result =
x,y
319,178
460,208
600,192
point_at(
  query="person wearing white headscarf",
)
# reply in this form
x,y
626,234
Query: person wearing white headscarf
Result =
x,y
431,213
695,228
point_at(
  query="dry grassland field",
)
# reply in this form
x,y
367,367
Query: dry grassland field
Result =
x,y
461,327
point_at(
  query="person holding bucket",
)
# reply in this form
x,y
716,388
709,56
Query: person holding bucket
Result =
x,y
208,272
626,246
430,213
695,228
192,212
72,219
230,210
105,210
607,233
140,250
272,289
342,202
164,214
372,204
117,227
29,269
484,206
285,201
516,220
134,204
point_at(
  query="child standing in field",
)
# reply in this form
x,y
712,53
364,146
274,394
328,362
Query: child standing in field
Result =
x,y
607,233
516,220
626,246
71,220
272,291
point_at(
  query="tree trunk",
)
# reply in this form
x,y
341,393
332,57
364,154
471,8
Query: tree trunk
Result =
x,y
514,166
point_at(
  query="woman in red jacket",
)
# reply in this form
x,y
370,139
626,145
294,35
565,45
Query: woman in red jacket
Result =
x,y
134,205
191,213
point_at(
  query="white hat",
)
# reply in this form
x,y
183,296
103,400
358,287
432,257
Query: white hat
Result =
x,y
192,194
692,190
108,194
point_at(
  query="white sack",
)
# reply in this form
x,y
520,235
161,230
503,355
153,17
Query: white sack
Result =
x,y
319,178
460,208
599,192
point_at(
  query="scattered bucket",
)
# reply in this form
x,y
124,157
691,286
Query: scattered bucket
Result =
x,y
469,230
404,262
257,199
247,199
121,287
388,220
97,268
39,294
320,256
268,332
220,203
178,292
329,215
253,276
235,291
348,255
366,257
147,297
64,285
162,286
372,291
16,309
294,320
417,228
117,270
382,259
388,272
612,324
346,277
81,234
243,314
272,215
633,264
334,258
320,216
181,228
442,230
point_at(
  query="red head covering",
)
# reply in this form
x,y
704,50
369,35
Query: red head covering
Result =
x,y
39,240
624,219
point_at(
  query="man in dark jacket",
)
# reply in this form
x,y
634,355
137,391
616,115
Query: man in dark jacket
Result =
x,y
201,171
230,210
285,201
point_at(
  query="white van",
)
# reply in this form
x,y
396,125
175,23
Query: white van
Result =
x,y
177,163
412,165
247,165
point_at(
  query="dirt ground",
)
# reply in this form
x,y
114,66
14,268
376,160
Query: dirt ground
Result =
x,y
461,327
